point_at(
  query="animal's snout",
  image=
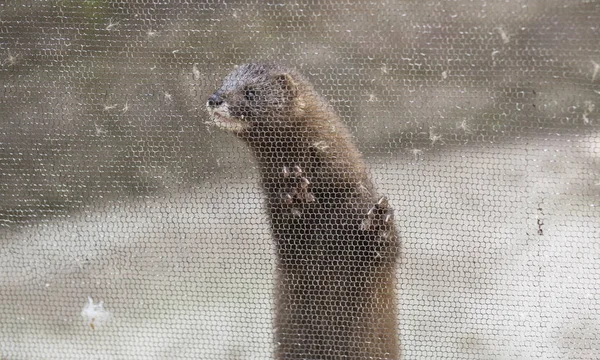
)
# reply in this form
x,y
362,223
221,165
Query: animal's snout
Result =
x,y
215,100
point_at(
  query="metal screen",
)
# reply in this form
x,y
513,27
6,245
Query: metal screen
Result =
x,y
131,227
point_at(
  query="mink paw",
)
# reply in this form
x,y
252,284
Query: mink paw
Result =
x,y
297,186
379,217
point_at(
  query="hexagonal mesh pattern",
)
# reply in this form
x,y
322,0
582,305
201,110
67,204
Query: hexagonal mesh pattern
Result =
x,y
299,180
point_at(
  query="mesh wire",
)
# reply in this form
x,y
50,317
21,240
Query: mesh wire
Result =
x,y
131,228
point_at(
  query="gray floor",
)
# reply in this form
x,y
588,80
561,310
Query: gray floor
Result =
x,y
500,260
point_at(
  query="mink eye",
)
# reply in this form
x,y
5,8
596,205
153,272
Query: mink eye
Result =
x,y
250,94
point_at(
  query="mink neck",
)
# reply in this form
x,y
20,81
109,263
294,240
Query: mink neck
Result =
x,y
328,162
274,145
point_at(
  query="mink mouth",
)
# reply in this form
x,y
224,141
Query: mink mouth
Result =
x,y
221,118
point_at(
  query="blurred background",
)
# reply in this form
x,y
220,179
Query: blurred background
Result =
x,y
480,120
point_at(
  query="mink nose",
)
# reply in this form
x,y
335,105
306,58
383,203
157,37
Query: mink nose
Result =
x,y
215,100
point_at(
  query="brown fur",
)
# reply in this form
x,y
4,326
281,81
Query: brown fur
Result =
x,y
335,238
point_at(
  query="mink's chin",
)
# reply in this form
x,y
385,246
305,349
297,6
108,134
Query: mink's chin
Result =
x,y
225,121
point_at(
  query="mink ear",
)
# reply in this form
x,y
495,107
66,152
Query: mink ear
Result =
x,y
287,83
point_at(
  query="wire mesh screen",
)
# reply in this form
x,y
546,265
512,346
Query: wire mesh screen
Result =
x,y
426,184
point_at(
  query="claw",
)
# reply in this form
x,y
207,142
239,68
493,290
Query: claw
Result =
x,y
382,202
371,213
321,146
363,189
304,183
286,172
287,198
297,170
365,225
389,218
309,197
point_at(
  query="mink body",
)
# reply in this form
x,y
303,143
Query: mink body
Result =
x,y
336,241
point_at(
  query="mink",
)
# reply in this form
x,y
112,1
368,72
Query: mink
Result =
x,y
336,243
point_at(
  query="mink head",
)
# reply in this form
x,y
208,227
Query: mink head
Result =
x,y
254,96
